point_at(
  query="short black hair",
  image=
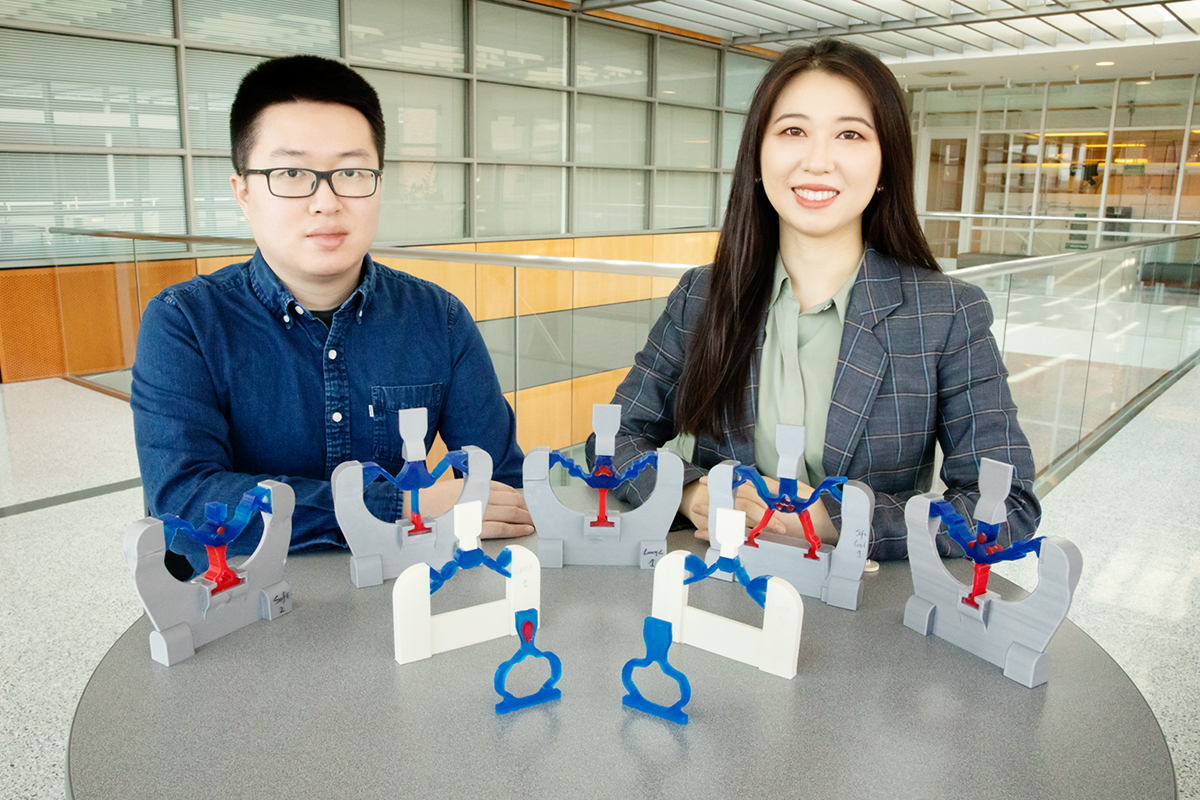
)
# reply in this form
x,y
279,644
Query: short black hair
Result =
x,y
299,78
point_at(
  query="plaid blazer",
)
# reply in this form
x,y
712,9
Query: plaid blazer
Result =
x,y
917,365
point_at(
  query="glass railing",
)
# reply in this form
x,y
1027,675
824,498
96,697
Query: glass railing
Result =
x,y
1085,336
1001,237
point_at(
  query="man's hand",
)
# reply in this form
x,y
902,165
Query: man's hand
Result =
x,y
505,516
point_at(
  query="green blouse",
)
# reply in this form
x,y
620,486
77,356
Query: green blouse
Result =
x,y
799,358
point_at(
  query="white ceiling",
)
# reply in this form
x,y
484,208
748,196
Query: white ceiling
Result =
x,y
985,40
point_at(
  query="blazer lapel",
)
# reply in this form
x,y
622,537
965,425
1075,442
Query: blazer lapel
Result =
x,y
861,360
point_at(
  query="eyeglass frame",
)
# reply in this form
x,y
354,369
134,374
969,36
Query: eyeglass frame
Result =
x,y
322,175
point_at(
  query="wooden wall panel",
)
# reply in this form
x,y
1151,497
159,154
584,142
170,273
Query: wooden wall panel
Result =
x,y
542,290
31,332
99,313
585,392
154,276
598,288
437,451
544,416
493,291
681,248
207,266
458,279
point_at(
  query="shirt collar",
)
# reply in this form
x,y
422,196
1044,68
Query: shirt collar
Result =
x,y
279,301
841,298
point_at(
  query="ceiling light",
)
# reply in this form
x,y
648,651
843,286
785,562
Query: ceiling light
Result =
x,y
1105,63
1142,83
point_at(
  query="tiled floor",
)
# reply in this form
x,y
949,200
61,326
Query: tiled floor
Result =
x,y
66,594
1133,509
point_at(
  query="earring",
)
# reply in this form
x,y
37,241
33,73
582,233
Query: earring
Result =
x,y
878,189
758,180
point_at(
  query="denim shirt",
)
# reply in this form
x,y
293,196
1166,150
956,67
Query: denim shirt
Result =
x,y
235,383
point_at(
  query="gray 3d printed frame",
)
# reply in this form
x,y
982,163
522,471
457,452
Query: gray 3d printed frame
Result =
x,y
628,538
382,550
1010,634
188,615
835,577
635,538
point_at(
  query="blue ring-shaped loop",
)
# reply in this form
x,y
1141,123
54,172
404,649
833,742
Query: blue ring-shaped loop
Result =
x,y
657,635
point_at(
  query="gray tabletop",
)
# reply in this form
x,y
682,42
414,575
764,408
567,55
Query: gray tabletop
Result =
x,y
314,705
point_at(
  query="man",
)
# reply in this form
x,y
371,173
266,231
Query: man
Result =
x,y
298,360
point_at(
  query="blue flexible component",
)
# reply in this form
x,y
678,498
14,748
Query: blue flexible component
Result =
x,y
414,477
604,476
657,635
216,531
469,559
756,588
527,623
788,498
976,545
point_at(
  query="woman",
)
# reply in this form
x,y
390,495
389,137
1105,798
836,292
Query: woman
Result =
x,y
824,307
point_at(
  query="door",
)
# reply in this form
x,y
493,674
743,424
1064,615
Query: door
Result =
x,y
946,183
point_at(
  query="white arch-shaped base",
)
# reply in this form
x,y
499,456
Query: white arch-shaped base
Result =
x,y
775,648
419,634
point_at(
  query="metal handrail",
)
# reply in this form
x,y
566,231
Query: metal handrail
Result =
x,y
568,263
1028,217
1041,262
614,266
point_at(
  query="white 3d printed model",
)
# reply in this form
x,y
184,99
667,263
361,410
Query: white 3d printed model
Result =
x,y
775,648
419,634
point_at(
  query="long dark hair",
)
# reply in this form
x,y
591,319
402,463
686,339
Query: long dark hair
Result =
x,y
711,394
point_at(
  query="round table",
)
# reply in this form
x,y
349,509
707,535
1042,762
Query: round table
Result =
x,y
314,705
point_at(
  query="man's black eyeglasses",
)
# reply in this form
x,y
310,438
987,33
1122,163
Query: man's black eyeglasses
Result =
x,y
291,182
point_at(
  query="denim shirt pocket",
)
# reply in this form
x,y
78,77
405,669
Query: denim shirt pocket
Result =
x,y
386,401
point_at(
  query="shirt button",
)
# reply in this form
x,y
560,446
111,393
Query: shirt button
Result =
x,y
299,310
332,355
286,318
337,416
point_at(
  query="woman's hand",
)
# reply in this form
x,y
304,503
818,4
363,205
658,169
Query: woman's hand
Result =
x,y
506,515
694,506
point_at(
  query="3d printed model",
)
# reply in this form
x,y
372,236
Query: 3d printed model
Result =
x,y
527,623
381,550
631,538
732,566
774,649
833,574
1010,634
215,533
657,635
189,615
419,634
